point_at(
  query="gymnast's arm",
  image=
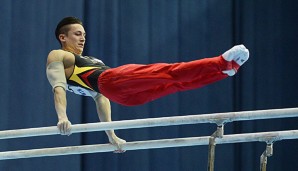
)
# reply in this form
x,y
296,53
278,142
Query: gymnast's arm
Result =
x,y
103,107
56,77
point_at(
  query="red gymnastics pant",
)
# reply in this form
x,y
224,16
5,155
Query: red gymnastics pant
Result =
x,y
135,84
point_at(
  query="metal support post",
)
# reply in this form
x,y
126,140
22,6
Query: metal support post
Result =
x,y
211,152
267,153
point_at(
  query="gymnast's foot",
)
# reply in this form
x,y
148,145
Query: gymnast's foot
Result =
x,y
238,55
118,142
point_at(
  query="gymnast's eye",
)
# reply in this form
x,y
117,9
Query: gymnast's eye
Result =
x,y
80,34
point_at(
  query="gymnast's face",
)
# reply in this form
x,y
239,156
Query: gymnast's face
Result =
x,y
74,40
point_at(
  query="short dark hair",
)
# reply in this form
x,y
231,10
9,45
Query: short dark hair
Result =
x,y
62,26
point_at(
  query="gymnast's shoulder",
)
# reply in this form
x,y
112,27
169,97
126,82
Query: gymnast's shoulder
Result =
x,y
59,55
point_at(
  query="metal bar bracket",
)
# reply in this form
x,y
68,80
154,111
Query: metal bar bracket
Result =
x,y
211,152
267,153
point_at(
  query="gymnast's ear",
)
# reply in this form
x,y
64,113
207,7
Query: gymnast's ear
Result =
x,y
62,37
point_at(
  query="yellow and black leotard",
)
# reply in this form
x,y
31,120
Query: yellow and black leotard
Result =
x,y
83,80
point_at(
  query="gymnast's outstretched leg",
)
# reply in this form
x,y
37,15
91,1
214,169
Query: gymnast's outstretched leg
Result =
x,y
135,84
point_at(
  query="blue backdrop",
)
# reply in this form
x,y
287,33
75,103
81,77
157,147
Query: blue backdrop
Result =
x,y
148,31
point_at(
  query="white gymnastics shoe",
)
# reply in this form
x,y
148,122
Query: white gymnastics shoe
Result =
x,y
238,55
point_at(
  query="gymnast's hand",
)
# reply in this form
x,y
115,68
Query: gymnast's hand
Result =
x,y
64,127
118,142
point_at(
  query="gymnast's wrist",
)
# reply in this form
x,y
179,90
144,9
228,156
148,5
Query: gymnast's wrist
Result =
x,y
62,118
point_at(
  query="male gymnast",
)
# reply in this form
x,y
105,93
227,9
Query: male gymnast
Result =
x,y
131,84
